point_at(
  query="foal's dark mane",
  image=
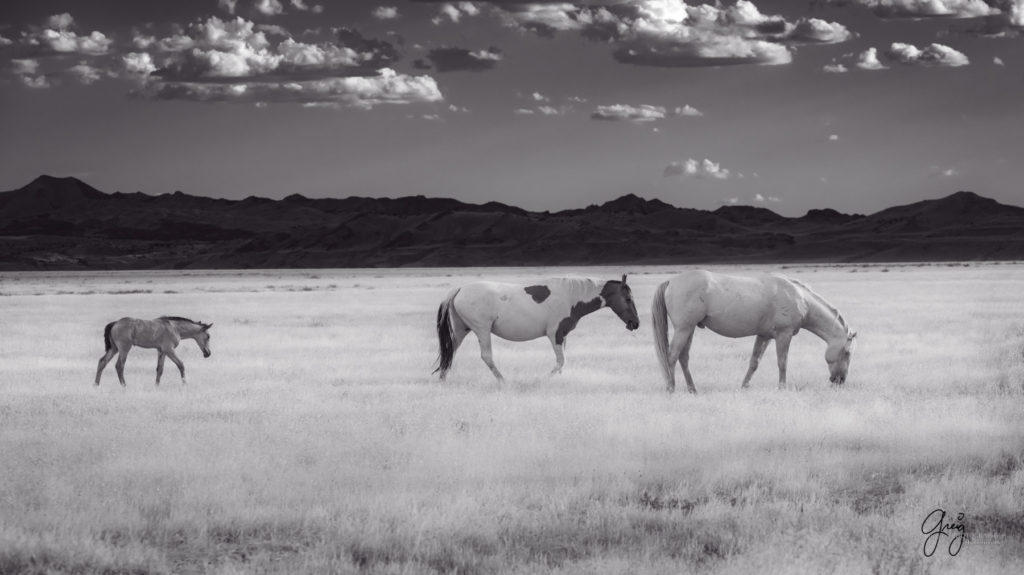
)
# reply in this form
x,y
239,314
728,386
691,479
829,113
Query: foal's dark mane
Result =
x,y
176,318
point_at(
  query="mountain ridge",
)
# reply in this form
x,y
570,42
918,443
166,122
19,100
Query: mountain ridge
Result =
x,y
64,223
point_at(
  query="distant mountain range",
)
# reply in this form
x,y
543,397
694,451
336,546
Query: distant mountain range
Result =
x,y
64,224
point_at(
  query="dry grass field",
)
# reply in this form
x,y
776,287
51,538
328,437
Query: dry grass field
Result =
x,y
315,439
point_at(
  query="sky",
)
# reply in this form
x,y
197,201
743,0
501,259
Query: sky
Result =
x,y
855,105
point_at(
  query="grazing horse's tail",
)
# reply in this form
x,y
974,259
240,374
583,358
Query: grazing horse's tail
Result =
x,y
109,343
659,319
445,335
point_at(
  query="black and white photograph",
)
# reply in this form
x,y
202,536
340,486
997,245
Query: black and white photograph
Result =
x,y
527,287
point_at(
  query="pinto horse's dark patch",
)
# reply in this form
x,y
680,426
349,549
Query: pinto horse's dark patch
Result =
x,y
538,293
579,309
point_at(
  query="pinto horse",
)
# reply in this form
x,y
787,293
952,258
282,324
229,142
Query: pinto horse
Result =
x,y
768,307
524,312
162,333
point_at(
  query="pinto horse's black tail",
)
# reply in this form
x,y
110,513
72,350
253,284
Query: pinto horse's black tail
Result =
x,y
109,343
445,335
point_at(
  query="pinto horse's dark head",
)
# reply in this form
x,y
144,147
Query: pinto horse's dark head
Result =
x,y
618,296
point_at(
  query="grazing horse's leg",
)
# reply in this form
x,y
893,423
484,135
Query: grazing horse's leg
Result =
x,y
782,351
122,357
159,365
181,366
760,343
679,350
104,361
559,356
485,353
684,363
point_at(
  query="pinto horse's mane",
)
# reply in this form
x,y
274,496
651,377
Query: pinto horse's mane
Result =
x,y
823,302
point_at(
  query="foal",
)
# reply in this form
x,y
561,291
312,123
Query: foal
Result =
x,y
162,334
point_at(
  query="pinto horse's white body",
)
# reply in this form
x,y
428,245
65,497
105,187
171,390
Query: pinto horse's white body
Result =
x,y
767,307
515,312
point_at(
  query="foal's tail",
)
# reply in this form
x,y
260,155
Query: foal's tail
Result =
x,y
109,343
445,334
659,319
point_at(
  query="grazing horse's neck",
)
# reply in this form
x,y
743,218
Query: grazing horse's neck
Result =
x,y
824,320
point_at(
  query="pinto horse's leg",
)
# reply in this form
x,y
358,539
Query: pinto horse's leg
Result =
x,y
485,353
782,351
121,358
159,365
559,356
181,366
760,343
104,361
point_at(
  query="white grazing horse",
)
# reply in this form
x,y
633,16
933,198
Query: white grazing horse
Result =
x,y
769,307
521,313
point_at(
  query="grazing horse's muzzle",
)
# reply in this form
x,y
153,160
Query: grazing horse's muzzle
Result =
x,y
838,379
632,325
206,353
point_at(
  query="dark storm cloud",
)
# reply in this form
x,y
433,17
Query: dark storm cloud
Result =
x,y
459,59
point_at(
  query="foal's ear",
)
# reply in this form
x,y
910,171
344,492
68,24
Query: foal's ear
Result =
x,y
853,336
623,279
207,326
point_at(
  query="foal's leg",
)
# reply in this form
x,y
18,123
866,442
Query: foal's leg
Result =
x,y
559,356
159,365
181,366
485,353
121,358
104,361
760,343
782,351
679,350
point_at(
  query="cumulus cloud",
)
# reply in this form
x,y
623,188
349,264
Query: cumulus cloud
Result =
x,y
868,60
385,12
5,41
60,21
929,8
387,87
27,72
688,110
538,97
227,5
998,61
58,37
833,138
458,59
671,33
454,12
523,111
85,73
303,7
551,110
760,199
834,68
269,7
138,63
697,169
931,55
625,112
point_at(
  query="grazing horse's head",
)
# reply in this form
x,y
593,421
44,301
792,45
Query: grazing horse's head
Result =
x,y
203,338
838,357
619,297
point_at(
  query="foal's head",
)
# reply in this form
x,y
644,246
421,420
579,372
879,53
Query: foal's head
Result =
x,y
202,337
618,296
838,357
